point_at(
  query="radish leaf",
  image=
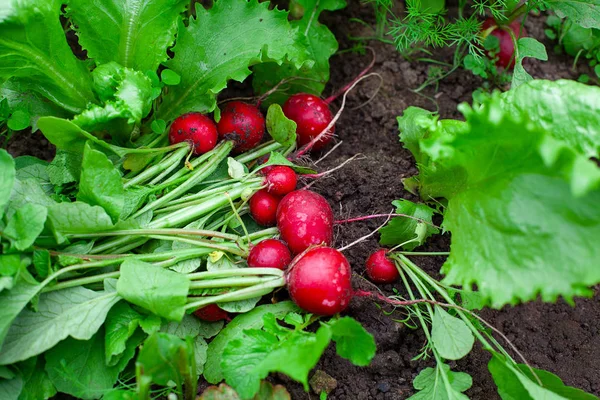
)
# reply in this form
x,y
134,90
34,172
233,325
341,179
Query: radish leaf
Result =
x,y
352,341
7,178
526,47
13,302
40,59
75,312
160,291
411,232
281,128
450,335
25,225
430,384
222,43
121,323
101,183
10,389
581,12
134,33
36,383
77,367
251,320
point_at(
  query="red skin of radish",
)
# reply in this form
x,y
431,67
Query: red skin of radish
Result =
x,y
506,54
270,253
211,313
304,219
263,207
381,269
195,128
312,115
281,180
320,281
243,123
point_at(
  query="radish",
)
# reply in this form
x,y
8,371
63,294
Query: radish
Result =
x,y
243,123
304,219
311,115
195,128
281,180
506,53
211,313
381,269
320,281
263,207
270,253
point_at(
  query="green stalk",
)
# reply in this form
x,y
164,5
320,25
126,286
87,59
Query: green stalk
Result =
x,y
189,214
235,272
258,152
229,282
242,294
155,169
203,243
181,175
197,176
146,232
197,198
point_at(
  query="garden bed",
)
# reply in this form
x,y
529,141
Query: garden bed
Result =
x,y
559,338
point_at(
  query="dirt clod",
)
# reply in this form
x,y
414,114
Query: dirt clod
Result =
x,y
321,381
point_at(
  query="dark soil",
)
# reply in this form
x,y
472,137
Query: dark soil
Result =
x,y
557,337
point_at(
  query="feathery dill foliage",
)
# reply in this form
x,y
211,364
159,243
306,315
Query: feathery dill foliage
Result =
x,y
425,24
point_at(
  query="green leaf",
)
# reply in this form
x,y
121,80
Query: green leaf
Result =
x,y
75,312
352,341
77,367
10,389
158,126
121,323
581,12
13,301
169,77
7,178
513,383
101,183
28,167
134,33
431,384
555,384
260,35
165,358
251,320
36,383
25,225
130,102
65,167
565,109
19,120
154,288
278,159
18,97
281,129
411,230
40,59
321,44
522,198
250,358
240,306
527,47
235,169
451,337
78,217
66,135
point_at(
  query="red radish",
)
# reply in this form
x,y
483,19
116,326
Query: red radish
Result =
x,y
304,219
311,115
381,269
506,53
320,281
281,180
195,128
211,313
270,253
243,123
263,207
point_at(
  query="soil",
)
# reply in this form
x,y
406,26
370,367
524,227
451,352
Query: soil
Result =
x,y
557,337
